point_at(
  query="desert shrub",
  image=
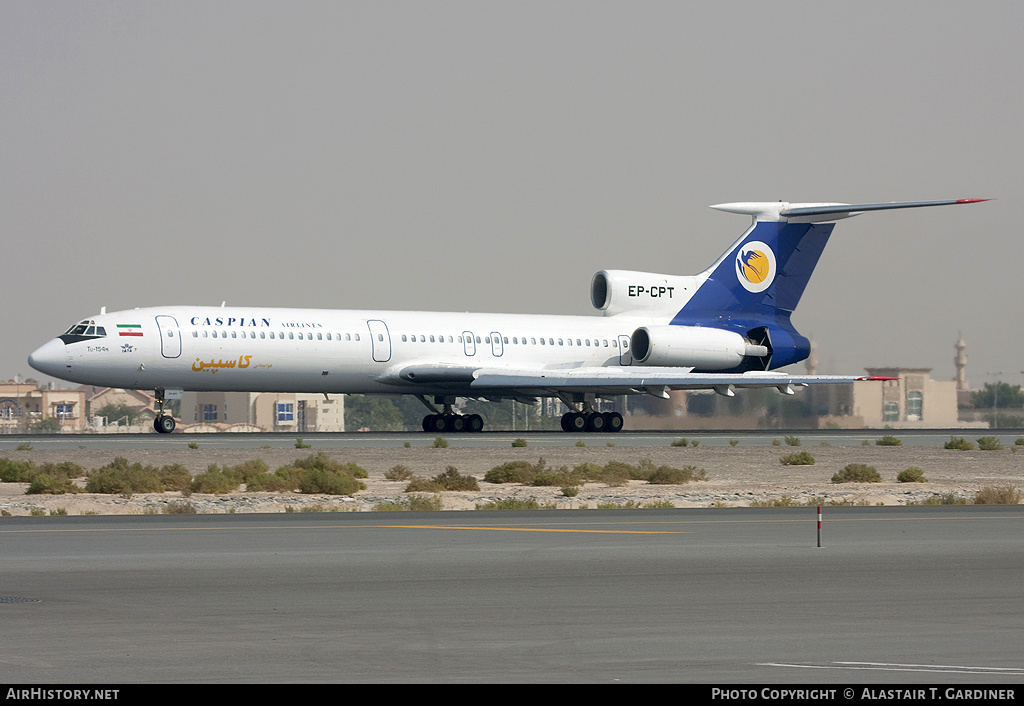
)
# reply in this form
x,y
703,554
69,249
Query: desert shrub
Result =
x,y
216,480
175,477
440,443
989,443
776,442
451,479
643,470
318,480
518,442
912,475
285,479
889,440
561,476
580,443
943,499
514,472
180,508
619,472
857,473
695,443
614,473
1019,441
43,484
998,495
64,469
249,469
513,504
414,503
733,442
802,458
419,484
792,441
16,471
398,473
300,444
680,442
666,475
784,501
658,505
323,462
570,491
120,477
959,443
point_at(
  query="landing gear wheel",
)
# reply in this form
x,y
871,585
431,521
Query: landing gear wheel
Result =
x,y
613,421
474,423
596,422
574,421
435,423
457,423
164,425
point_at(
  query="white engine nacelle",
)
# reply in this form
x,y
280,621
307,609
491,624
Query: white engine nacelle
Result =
x,y
692,347
618,291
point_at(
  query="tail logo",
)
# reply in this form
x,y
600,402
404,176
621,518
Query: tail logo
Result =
x,y
755,266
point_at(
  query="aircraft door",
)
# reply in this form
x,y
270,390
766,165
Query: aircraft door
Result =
x,y
380,340
496,348
625,357
470,343
170,336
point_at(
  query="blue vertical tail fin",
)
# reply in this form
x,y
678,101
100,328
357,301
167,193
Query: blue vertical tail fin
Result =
x,y
755,286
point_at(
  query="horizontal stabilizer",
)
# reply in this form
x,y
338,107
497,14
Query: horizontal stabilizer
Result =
x,y
822,212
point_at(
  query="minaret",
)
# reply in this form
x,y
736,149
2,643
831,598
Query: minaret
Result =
x,y
960,361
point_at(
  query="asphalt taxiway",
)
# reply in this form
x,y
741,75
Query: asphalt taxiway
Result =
x,y
729,596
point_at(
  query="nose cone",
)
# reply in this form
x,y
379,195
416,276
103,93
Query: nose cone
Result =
x,y
50,358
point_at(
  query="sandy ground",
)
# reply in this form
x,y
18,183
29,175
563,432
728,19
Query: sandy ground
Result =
x,y
736,477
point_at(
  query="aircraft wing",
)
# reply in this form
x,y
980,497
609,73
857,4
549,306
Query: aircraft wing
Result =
x,y
636,379
612,380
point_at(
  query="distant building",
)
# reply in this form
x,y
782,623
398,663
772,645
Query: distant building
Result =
x,y
261,411
24,404
912,400
141,401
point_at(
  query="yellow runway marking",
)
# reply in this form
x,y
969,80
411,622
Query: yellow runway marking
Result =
x,y
528,529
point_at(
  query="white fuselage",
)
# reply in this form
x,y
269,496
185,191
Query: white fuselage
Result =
x,y
320,350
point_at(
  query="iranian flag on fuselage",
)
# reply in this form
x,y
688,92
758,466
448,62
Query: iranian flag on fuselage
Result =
x,y
129,329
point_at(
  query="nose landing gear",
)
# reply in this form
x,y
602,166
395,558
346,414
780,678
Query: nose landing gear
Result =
x,y
164,422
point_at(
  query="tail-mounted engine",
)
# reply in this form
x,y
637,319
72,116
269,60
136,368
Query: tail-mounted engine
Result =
x,y
695,347
618,291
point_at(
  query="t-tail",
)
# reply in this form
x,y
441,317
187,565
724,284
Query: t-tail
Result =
x,y
750,292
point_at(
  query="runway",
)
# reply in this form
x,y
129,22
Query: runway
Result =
x,y
925,594
540,439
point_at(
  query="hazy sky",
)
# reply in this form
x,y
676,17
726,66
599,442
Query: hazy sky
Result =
x,y
492,156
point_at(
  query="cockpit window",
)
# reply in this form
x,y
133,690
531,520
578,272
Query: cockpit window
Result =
x,y
83,331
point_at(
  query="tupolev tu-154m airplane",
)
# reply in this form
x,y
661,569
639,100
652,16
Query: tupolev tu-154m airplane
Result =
x,y
724,329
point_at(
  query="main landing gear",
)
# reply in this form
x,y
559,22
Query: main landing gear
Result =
x,y
164,422
592,421
583,417
447,420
